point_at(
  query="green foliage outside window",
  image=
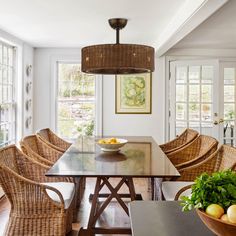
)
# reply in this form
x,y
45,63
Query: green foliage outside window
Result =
x,y
76,101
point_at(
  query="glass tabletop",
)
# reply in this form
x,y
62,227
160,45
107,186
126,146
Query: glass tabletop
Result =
x,y
140,157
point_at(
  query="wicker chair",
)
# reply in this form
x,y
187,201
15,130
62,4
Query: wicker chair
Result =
x,y
53,140
37,207
185,138
34,147
194,152
222,159
38,150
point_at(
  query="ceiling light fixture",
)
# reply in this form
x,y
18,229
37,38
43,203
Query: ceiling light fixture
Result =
x,y
118,58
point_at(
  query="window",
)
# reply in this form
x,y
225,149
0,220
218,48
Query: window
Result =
x,y
75,101
7,95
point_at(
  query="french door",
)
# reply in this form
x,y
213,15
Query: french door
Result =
x,y
203,97
193,97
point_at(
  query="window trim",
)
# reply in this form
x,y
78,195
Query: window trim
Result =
x,y
13,103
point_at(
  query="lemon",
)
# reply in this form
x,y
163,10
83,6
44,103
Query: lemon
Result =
x,y
101,141
215,211
231,213
225,218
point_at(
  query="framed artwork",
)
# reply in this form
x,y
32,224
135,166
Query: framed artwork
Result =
x,y
134,94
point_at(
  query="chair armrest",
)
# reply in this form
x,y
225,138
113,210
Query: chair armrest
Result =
x,y
33,198
181,191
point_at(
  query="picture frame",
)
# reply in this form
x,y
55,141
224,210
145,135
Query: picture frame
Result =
x,y
133,94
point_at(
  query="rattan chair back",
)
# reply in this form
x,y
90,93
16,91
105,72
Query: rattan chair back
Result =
x,y
49,137
183,139
226,158
37,149
195,152
222,159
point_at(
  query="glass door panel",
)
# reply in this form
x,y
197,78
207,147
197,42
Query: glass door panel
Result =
x,y
192,102
228,116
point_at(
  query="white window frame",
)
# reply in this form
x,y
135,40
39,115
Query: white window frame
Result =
x,y
18,79
54,93
13,102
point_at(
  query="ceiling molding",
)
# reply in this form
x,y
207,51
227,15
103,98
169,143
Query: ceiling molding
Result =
x,y
191,15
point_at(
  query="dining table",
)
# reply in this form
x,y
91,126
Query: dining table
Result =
x,y
140,157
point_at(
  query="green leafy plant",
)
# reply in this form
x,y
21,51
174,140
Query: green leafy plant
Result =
x,y
89,130
218,188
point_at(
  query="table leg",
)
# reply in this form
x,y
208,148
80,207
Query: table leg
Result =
x,y
130,184
97,210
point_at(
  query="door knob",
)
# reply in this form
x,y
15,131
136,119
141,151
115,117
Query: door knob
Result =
x,y
218,122
221,120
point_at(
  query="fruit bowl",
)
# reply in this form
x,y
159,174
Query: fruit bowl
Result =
x,y
111,144
219,227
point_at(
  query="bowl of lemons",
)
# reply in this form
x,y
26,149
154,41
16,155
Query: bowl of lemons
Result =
x,y
214,198
111,144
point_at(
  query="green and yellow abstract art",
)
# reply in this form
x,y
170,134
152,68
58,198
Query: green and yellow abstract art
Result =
x,y
133,94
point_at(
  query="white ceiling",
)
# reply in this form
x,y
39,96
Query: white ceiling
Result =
x,y
217,32
76,23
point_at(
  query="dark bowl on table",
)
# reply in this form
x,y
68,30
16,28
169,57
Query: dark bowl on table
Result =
x,y
219,227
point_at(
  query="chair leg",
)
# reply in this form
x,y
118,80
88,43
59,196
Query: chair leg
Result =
x,y
152,189
80,188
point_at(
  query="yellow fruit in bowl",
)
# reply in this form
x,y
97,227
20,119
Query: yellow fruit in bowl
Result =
x,y
231,213
224,218
113,140
102,141
215,211
108,141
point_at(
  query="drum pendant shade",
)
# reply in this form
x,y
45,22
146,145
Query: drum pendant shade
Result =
x,y
117,58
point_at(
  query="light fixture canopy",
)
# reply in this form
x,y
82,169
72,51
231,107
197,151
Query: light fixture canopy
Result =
x,y
117,58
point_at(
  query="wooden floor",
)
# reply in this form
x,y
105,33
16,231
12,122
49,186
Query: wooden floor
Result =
x,y
114,214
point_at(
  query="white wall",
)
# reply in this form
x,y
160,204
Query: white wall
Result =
x,y
136,124
113,124
28,59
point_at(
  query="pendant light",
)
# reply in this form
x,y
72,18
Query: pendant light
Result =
x,y
117,58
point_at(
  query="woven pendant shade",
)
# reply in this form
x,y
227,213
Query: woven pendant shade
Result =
x,y
117,58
